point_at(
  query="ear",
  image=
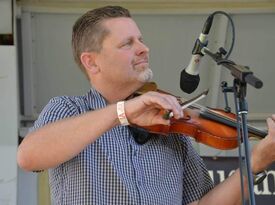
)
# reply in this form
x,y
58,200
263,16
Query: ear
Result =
x,y
88,59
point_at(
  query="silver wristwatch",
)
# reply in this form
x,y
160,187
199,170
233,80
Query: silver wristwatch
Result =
x,y
259,177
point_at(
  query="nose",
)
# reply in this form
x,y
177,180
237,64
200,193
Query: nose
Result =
x,y
141,48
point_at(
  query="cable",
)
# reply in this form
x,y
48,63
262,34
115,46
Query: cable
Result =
x,y
233,30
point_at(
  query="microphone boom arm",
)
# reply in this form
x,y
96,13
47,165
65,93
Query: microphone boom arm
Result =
x,y
242,73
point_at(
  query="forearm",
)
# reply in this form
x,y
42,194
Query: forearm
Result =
x,y
60,141
227,193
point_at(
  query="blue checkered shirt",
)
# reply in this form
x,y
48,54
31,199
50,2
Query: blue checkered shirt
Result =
x,y
117,170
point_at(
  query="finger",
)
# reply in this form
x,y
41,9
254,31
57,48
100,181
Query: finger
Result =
x,y
172,113
163,102
271,126
176,108
158,100
161,120
179,113
270,122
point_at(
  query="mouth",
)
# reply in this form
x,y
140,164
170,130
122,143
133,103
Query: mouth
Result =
x,y
142,62
141,66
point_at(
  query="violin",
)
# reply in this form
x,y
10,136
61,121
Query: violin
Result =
x,y
213,127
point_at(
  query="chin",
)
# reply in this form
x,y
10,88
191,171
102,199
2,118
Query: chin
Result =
x,y
146,76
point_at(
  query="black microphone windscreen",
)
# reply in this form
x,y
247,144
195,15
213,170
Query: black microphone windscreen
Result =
x,y
188,83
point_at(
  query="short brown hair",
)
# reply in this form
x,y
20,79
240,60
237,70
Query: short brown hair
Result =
x,y
88,32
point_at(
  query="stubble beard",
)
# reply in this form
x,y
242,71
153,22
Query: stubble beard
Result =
x,y
146,75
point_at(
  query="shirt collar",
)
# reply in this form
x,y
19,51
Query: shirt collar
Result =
x,y
96,100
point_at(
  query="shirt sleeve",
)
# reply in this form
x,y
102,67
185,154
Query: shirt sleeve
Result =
x,y
57,108
196,179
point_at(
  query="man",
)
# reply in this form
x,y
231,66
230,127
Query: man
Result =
x,y
91,154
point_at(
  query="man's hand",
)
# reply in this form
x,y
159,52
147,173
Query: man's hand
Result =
x,y
148,109
263,154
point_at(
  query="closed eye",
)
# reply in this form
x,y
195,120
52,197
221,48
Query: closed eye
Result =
x,y
141,40
127,43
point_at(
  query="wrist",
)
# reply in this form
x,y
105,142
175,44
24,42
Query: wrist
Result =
x,y
258,176
121,113
257,164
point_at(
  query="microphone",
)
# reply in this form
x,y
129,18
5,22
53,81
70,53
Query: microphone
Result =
x,y
189,79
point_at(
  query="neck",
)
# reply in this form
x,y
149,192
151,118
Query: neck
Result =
x,y
113,94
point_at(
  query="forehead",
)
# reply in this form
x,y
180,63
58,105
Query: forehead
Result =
x,y
120,28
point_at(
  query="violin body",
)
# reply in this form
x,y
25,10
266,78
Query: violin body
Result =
x,y
208,132
213,127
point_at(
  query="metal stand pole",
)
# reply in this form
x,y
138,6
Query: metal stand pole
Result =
x,y
242,77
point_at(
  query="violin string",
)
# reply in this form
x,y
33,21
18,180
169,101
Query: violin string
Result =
x,y
219,118
204,110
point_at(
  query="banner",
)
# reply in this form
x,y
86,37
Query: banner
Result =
x,y
222,167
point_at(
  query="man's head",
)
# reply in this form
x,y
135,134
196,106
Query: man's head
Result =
x,y
110,50
89,33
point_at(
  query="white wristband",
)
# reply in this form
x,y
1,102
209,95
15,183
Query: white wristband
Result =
x,y
121,113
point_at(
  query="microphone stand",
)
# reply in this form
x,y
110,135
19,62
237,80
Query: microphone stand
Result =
x,y
242,75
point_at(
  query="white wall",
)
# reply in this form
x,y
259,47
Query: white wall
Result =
x,y
6,14
8,125
171,39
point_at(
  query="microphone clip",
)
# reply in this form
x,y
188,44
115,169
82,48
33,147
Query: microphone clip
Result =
x,y
198,46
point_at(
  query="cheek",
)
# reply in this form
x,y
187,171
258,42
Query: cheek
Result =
x,y
124,55
120,60
123,67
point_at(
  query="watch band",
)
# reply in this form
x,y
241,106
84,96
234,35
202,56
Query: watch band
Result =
x,y
259,177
